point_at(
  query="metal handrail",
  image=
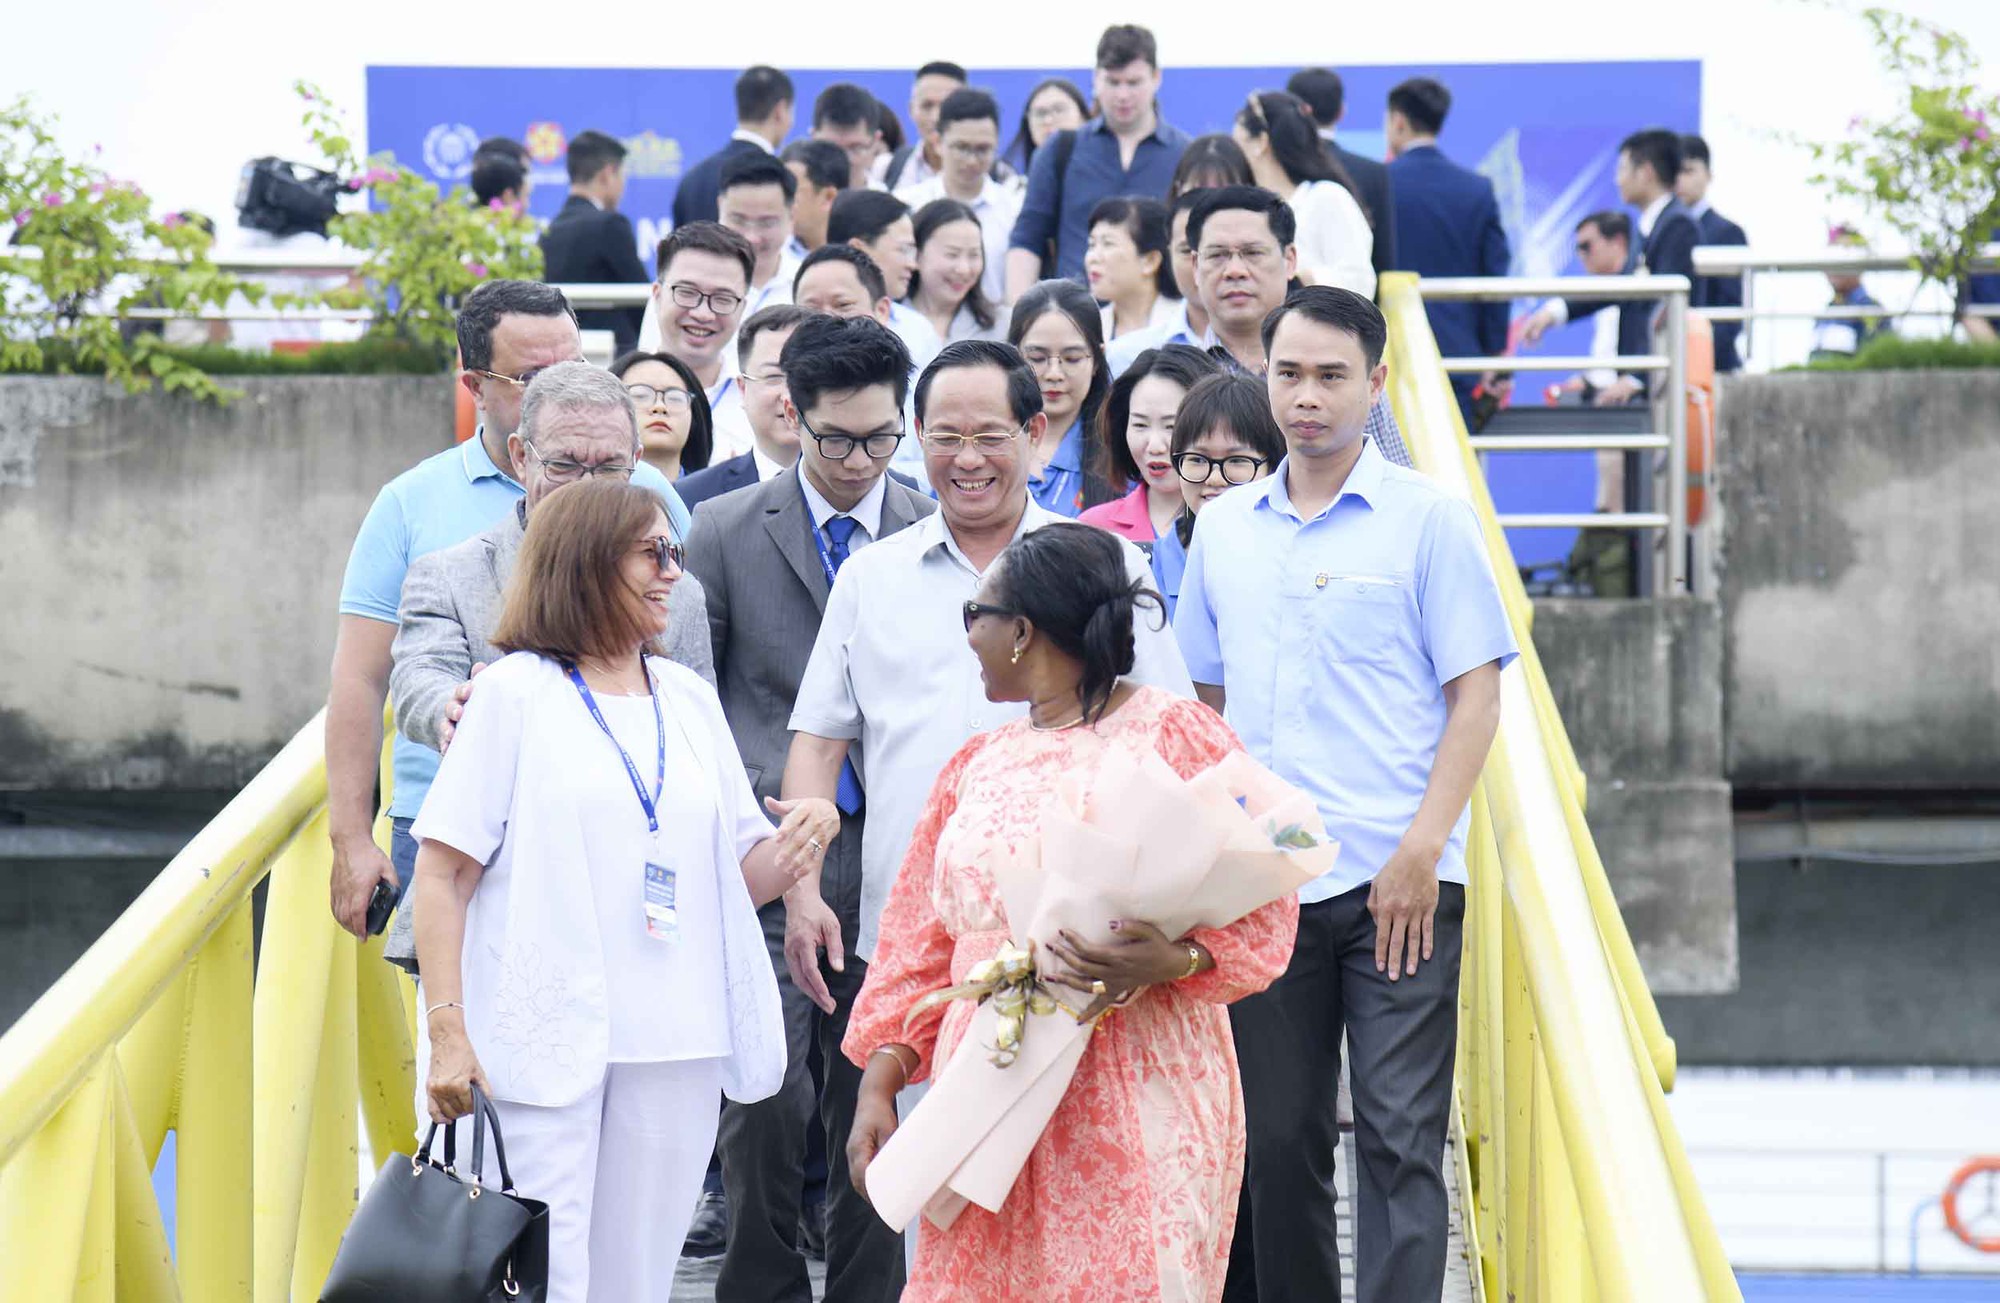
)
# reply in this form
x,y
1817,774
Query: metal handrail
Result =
x,y
1738,259
1672,294
1582,1185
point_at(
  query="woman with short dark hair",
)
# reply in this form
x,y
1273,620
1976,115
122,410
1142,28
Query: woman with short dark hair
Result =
x,y
591,861
1224,436
1131,1191
1137,435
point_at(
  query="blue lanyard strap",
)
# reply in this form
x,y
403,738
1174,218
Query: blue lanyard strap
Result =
x,y
819,538
650,804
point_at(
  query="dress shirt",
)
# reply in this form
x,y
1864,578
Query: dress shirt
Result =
x,y
444,499
892,669
918,335
867,513
1334,638
1121,352
916,171
766,468
1169,564
751,137
996,207
1058,208
1164,312
1334,239
772,293
1059,488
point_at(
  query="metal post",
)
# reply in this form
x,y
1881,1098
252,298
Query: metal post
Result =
x,y
1882,1212
1675,384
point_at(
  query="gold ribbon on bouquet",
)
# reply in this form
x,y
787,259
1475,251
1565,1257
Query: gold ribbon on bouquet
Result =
x,y
1008,980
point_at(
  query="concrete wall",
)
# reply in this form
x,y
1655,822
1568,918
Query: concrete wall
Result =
x,y
1639,685
169,570
1861,579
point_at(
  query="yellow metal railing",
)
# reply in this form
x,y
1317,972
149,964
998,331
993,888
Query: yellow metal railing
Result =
x,y
158,1027
1579,1185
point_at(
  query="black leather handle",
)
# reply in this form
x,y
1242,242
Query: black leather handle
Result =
x,y
484,1115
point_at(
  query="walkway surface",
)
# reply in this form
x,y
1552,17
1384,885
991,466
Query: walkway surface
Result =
x,y
696,1281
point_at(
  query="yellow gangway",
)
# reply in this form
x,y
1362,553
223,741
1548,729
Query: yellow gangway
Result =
x,y
1576,1186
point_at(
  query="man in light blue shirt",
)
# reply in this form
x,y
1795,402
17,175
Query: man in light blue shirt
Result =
x,y
507,332
1343,615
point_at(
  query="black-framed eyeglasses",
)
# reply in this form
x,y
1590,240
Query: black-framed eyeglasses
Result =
x,y
1239,469
973,610
880,446
652,396
562,470
667,554
720,302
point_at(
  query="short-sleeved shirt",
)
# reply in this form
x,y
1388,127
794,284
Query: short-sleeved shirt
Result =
x,y
1059,488
1058,208
1333,639
442,500
665,1000
891,668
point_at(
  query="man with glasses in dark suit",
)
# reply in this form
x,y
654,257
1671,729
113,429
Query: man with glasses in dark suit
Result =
x,y
767,556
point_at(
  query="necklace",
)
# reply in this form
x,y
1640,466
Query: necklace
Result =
x,y
1053,728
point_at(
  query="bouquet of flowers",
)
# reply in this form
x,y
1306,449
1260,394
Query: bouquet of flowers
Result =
x,y
1131,840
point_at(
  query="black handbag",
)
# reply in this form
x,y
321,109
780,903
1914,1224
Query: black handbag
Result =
x,y
424,1235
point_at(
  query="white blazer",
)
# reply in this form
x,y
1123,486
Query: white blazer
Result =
x,y
1334,241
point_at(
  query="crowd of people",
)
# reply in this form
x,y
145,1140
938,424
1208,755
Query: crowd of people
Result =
x,y
928,476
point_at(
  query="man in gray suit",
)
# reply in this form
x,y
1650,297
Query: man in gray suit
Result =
x,y
576,422
766,555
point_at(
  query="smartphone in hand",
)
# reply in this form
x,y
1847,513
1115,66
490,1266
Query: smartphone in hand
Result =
x,y
381,906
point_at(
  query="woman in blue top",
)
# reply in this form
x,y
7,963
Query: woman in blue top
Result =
x,y
1057,328
1224,435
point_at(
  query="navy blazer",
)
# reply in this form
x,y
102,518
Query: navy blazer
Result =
x,y
588,245
1447,223
1723,291
1378,200
740,472
1668,251
698,196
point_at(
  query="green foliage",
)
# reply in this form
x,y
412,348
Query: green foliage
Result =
x,y
1928,171
1895,353
422,252
95,250
372,356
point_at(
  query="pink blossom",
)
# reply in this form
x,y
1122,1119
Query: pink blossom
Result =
x,y
52,200
97,189
1854,123
21,218
497,204
171,221
1982,134
478,270
97,149
307,95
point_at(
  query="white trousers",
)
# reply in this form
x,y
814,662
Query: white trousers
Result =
x,y
620,1169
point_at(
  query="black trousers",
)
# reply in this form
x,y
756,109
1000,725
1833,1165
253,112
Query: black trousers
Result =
x,y
763,1145
1401,1039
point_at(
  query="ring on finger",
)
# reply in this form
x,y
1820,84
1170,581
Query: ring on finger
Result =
x,y
1097,986
815,845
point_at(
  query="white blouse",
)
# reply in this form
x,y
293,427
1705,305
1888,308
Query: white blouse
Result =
x,y
560,974
1164,310
1335,242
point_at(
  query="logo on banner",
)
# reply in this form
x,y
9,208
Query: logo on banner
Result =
x,y
546,141
652,156
448,150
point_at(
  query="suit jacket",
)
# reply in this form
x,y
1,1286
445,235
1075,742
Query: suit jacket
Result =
x,y
714,481
588,245
1723,291
1447,223
451,602
1378,199
698,196
766,590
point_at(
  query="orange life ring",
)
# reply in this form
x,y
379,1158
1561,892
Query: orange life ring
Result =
x,y
1983,1243
1700,357
465,412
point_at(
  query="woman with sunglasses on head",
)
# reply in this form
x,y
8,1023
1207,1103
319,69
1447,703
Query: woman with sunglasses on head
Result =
x,y
1057,328
676,431
591,861
1130,1194
1137,435
1336,244
1224,435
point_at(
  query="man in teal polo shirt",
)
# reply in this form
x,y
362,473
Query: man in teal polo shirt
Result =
x,y
507,332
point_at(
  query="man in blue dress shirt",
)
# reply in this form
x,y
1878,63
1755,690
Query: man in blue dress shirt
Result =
x,y
508,332
1125,150
1343,616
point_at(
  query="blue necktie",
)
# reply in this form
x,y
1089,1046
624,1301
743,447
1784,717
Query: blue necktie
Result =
x,y
839,532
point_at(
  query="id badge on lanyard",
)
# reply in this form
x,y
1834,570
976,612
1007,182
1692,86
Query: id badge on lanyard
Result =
x,y
662,922
662,879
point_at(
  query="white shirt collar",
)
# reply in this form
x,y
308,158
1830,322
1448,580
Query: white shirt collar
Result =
x,y
867,512
1651,216
766,468
744,133
1326,133
935,531
1699,209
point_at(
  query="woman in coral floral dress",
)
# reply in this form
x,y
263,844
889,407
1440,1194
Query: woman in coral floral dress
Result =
x,y
1131,1192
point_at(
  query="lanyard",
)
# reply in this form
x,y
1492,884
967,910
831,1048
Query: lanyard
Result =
x,y
728,383
819,539
650,804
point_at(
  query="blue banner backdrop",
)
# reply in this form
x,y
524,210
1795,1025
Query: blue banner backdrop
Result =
x,y
1546,133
